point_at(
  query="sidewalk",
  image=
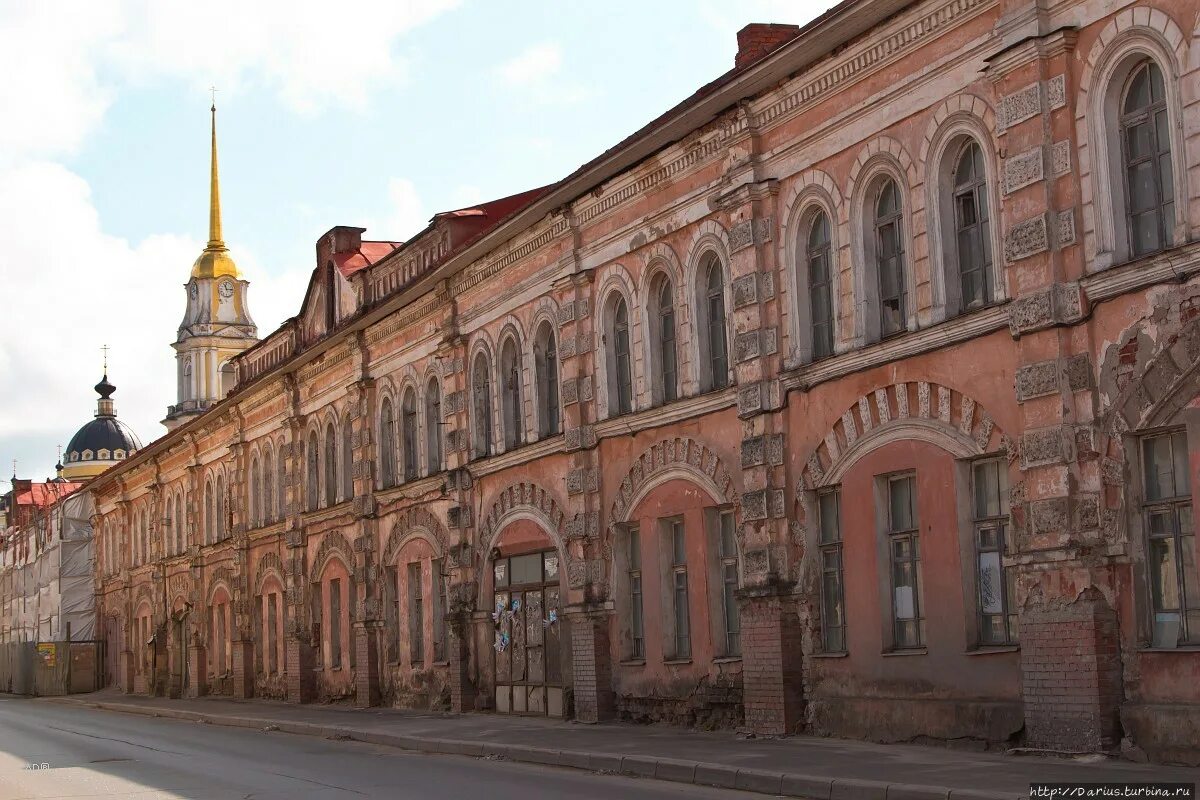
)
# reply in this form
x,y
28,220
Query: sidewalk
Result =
x,y
814,768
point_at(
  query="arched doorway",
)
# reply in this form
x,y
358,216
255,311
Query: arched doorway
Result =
x,y
531,645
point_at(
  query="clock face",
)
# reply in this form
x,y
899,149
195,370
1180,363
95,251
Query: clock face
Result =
x,y
226,289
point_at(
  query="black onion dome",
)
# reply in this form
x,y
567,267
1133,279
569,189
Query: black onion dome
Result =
x,y
103,433
104,388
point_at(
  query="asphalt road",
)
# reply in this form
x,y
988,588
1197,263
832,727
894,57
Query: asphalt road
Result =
x,y
101,754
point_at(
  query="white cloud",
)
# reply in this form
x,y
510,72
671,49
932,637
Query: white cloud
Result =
x,y
62,61
79,288
534,65
408,215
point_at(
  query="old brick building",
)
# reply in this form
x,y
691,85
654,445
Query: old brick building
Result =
x,y
852,395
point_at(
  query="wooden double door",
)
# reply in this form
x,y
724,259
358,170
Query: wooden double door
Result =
x,y
528,634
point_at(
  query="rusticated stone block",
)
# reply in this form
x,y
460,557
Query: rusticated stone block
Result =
x,y
753,451
1051,515
1045,446
1037,380
754,505
746,346
745,291
740,236
1027,238
750,399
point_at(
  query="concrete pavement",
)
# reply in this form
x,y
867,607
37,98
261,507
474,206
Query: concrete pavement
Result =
x,y
819,769
95,754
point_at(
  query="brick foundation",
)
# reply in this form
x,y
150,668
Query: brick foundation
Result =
x,y
301,683
462,689
366,673
1071,675
591,664
197,686
243,669
772,680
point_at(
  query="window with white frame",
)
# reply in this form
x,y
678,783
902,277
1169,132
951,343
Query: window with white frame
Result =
x,y
714,341
833,598
433,426
620,399
408,433
633,587
729,638
904,559
546,367
512,406
679,642
481,390
887,234
995,583
1170,540
347,460
819,274
387,446
662,331
972,229
331,470
1146,158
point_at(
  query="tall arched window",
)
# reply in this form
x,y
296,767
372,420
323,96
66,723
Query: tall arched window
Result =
x,y
281,508
714,343
1146,151
312,474
662,331
545,356
331,481
347,460
255,485
972,227
210,513
510,376
620,361
820,284
889,258
481,390
387,444
180,525
433,426
408,433
220,527
268,494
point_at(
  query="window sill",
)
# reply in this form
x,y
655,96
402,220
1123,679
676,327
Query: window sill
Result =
x,y
843,654
633,662
671,662
913,651
1187,648
727,660
994,650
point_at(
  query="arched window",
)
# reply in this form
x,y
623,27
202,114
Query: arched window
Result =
x,y
620,384
312,474
210,513
481,388
219,526
408,429
281,484
817,261
268,493
510,376
972,228
433,426
331,480
387,444
888,239
714,344
180,525
255,485
1146,151
665,356
545,356
228,378
347,460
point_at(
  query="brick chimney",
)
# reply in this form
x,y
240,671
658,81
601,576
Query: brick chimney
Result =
x,y
758,39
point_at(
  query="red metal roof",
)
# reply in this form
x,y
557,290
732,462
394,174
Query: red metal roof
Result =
x,y
45,494
365,256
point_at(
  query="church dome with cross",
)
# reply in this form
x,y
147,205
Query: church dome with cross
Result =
x,y
102,442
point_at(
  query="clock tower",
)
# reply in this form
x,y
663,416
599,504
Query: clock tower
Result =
x,y
217,324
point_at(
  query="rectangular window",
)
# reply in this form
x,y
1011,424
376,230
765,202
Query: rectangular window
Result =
x,y
439,611
416,615
335,623
677,544
1171,541
995,583
221,648
637,628
905,558
391,610
833,601
727,546
273,633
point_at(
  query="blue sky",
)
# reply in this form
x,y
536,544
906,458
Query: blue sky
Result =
x,y
375,113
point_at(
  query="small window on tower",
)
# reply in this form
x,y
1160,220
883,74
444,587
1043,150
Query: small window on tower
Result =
x,y
102,454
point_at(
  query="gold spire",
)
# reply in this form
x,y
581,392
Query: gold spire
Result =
x,y
215,261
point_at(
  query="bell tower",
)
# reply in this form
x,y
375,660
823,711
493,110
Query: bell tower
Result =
x,y
217,324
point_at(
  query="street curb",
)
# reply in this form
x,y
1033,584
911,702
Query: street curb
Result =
x,y
697,773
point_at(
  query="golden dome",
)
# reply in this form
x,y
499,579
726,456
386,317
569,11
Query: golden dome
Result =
x,y
215,261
